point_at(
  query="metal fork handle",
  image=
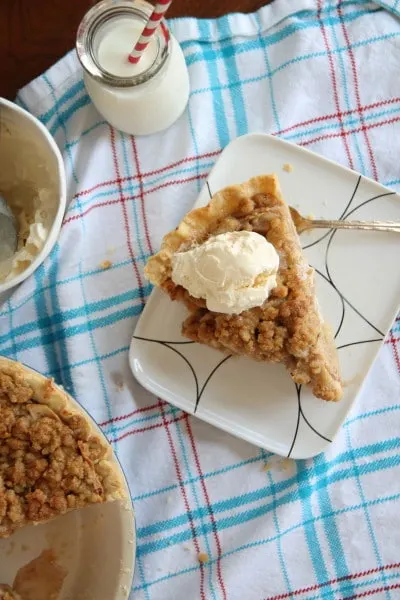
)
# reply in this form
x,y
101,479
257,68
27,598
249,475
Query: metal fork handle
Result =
x,y
366,225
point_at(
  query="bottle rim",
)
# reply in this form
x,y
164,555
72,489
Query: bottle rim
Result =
x,y
90,27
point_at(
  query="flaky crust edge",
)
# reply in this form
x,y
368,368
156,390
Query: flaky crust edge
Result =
x,y
195,226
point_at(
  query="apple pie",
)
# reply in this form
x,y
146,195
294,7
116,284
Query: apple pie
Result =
x,y
288,326
52,459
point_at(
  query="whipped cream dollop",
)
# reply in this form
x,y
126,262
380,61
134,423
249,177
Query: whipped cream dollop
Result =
x,y
232,272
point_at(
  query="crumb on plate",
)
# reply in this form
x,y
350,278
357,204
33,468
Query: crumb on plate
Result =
x,y
203,557
118,380
287,167
287,463
106,264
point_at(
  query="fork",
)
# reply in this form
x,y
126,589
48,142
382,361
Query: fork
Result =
x,y
304,224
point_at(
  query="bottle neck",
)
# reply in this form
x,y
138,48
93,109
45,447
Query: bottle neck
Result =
x,y
104,28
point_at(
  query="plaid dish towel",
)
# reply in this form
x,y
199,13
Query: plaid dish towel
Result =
x,y
324,75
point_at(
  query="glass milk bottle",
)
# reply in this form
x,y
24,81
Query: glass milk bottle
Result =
x,y
140,98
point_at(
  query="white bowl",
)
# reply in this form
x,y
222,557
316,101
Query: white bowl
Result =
x,y
46,150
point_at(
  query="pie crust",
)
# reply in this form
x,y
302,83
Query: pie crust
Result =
x,y
288,327
52,458
7,593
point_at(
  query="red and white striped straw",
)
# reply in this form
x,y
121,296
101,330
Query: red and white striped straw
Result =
x,y
159,11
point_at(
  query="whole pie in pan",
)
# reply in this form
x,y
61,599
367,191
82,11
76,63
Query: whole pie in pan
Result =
x,y
52,459
288,326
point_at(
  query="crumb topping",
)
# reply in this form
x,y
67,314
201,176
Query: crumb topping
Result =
x,y
48,464
203,557
106,264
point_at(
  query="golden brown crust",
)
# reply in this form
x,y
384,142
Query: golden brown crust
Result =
x,y
287,327
52,459
197,225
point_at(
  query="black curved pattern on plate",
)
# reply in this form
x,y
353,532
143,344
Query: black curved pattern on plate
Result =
x,y
199,392
332,235
370,200
341,299
300,408
315,242
352,306
143,339
321,435
224,360
196,381
298,388
300,413
342,216
360,342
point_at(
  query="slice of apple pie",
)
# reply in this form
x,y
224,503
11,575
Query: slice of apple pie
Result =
x,y
247,295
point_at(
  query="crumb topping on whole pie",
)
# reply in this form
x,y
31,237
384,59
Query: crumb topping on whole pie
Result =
x,y
51,460
288,327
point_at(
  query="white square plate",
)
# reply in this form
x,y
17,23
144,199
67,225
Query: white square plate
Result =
x,y
358,288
